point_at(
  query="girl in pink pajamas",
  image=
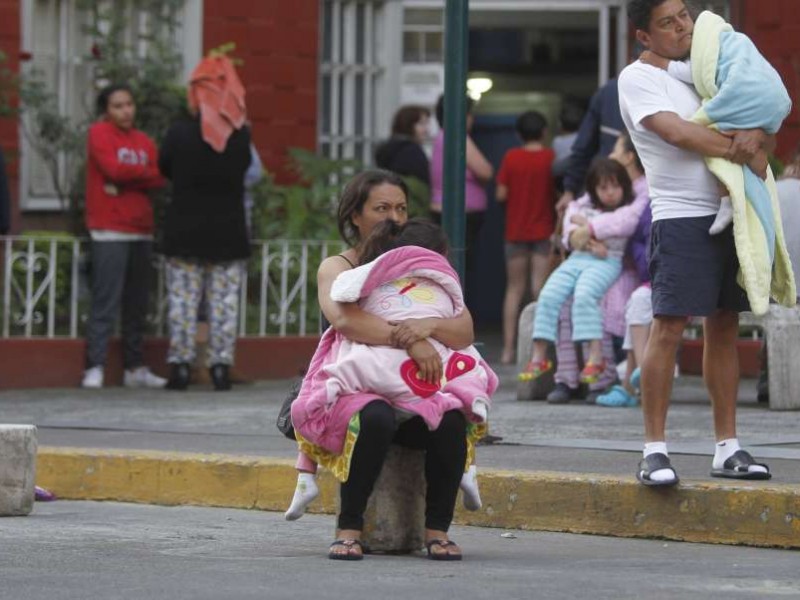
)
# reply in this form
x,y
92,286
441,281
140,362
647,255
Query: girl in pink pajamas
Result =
x,y
415,281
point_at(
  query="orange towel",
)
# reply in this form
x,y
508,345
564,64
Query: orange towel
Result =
x,y
217,92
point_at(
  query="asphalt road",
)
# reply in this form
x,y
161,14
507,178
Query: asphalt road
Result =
x,y
108,551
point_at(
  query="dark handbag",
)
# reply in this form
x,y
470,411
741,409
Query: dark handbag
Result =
x,y
284,423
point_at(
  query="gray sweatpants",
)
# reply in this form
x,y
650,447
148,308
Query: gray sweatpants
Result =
x,y
120,277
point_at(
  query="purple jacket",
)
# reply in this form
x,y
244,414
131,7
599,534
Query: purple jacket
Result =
x,y
639,245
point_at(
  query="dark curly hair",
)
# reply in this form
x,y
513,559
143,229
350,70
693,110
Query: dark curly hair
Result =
x,y
640,11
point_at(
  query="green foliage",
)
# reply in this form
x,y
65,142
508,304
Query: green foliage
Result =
x,y
306,209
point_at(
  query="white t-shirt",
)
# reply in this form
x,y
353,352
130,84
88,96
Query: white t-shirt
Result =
x,y
680,183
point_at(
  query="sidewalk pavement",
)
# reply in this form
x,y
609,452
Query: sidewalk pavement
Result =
x,y
561,468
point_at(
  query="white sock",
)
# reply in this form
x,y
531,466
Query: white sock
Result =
x,y
658,448
469,489
480,408
304,493
727,448
724,216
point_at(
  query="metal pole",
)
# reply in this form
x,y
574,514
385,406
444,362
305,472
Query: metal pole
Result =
x,y
455,127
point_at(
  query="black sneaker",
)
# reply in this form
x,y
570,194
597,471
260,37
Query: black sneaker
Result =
x,y
220,375
179,375
562,394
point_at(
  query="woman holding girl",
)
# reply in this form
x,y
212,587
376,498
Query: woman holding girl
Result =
x,y
588,273
369,199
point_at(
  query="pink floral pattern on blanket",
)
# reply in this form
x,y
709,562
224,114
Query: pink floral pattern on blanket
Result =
x,y
344,375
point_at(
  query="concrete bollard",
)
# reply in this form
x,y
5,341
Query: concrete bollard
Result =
x,y
531,390
17,469
394,521
782,331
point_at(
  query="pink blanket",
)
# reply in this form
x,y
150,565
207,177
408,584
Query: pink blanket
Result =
x,y
344,376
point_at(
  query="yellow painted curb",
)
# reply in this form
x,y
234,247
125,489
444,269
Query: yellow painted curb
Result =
x,y
712,512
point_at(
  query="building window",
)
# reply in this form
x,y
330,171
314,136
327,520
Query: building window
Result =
x,y
423,35
54,33
351,71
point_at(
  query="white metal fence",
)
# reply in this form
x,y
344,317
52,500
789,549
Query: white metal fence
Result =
x,y
45,288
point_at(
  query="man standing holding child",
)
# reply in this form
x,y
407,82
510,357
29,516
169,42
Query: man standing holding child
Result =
x,y
693,272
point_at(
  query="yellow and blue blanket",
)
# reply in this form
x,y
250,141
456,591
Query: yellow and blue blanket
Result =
x,y
741,90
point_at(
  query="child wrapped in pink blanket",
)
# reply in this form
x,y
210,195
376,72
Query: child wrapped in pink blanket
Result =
x,y
403,283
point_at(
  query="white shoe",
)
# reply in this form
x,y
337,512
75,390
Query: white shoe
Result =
x,y
92,378
142,377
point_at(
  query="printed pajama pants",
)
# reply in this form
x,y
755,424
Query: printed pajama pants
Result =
x,y
186,280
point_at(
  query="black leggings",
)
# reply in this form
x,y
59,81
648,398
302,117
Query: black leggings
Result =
x,y
445,455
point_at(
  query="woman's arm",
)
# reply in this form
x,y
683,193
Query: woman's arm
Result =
x,y
348,318
104,154
477,163
456,333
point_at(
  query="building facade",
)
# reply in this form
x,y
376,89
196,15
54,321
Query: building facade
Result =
x,y
329,74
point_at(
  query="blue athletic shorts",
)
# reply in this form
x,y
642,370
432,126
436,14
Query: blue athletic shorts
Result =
x,y
693,272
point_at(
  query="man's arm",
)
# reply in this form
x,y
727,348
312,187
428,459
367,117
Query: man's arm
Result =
x,y
739,147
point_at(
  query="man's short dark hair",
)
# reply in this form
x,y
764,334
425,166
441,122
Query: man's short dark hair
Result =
x,y
640,11
531,125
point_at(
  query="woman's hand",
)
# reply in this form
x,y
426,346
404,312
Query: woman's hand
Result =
x,y
409,331
598,249
428,360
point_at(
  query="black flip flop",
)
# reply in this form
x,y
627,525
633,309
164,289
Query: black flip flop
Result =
x,y
651,464
346,556
442,555
738,467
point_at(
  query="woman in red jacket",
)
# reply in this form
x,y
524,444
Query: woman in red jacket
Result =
x,y
122,166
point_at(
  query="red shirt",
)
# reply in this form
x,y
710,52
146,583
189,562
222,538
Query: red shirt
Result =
x,y
129,160
530,213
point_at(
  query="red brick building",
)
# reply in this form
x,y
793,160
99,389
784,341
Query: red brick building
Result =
x,y
328,74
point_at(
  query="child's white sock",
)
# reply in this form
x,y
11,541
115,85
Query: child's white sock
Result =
x,y
304,493
724,216
469,489
480,408
659,448
727,448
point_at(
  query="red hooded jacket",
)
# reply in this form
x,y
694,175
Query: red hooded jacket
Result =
x,y
128,159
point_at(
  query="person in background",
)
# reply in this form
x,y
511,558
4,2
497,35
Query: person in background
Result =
x,y
569,119
525,186
252,177
120,170
599,130
479,173
205,230
402,153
